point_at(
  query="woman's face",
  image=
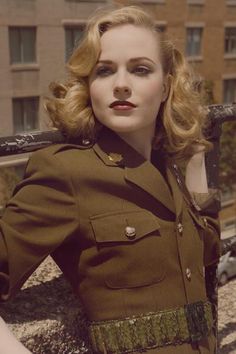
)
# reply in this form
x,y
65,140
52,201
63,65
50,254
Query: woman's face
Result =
x,y
128,70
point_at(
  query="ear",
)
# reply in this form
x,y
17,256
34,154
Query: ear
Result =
x,y
165,88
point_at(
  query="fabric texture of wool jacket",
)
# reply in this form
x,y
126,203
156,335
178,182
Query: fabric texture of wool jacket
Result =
x,y
122,234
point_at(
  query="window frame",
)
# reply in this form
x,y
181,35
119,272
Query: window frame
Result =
x,y
229,54
196,2
22,45
195,26
230,2
69,26
24,115
158,2
91,1
225,80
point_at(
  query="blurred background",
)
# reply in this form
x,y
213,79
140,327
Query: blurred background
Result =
x,y
38,36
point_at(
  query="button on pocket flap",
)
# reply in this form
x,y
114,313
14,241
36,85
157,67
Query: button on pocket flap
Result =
x,y
197,219
123,227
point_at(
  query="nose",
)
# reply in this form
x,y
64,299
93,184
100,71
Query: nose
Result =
x,y
121,85
122,90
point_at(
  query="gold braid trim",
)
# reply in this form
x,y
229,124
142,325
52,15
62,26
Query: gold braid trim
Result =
x,y
169,327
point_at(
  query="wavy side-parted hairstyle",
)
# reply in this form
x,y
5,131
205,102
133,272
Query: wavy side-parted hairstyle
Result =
x,y
181,118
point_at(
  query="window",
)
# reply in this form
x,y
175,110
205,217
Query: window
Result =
x,y
86,1
231,2
230,40
196,2
22,44
161,27
230,91
193,43
153,1
72,37
25,114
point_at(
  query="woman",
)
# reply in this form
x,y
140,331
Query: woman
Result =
x,y
110,206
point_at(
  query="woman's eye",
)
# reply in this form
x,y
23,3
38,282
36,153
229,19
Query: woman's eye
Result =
x,y
103,71
142,70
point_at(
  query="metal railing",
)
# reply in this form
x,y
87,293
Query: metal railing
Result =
x,y
217,114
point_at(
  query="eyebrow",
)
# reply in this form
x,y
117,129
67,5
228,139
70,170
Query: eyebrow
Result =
x,y
131,60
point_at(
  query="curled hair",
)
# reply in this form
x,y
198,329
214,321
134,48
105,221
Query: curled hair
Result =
x,y
181,118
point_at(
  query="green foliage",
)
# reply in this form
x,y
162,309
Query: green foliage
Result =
x,y
228,156
206,90
227,171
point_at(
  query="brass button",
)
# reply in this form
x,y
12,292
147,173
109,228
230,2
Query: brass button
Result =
x,y
188,273
180,228
130,231
117,158
85,141
205,222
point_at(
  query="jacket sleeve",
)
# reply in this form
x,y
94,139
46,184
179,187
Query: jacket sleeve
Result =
x,y
39,217
212,248
211,235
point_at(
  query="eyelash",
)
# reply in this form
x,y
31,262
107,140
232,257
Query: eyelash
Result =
x,y
104,71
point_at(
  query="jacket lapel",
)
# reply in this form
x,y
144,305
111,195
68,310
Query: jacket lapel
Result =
x,y
114,151
147,177
176,191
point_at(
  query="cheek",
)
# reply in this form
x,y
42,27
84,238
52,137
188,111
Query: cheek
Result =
x,y
93,92
96,95
152,93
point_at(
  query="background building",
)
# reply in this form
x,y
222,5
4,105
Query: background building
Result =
x,y
38,36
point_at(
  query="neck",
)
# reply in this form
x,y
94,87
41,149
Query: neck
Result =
x,y
140,141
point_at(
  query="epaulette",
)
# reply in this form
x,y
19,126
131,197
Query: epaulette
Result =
x,y
81,143
71,143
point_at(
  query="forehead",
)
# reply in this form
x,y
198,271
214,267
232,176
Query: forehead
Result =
x,y
129,40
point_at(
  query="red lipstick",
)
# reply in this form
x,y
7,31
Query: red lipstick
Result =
x,y
122,105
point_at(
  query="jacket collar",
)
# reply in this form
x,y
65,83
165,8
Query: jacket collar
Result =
x,y
114,151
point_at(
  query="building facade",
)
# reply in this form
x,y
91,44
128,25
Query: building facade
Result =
x,y
37,37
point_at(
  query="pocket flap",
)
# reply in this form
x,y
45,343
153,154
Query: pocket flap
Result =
x,y
112,227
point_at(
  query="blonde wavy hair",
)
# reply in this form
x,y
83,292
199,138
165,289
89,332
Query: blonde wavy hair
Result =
x,y
181,118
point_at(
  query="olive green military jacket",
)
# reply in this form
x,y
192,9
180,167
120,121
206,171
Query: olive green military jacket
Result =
x,y
122,234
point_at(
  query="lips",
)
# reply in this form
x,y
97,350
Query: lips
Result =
x,y
122,103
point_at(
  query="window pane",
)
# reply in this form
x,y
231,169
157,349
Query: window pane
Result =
x,y
28,37
69,43
18,116
193,43
22,45
161,28
230,91
72,37
230,40
86,0
25,114
14,44
31,114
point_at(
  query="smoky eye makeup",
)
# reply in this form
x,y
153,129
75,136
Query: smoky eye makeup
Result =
x,y
142,70
137,69
103,70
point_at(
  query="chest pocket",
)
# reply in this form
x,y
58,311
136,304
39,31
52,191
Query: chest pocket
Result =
x,y
129,245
